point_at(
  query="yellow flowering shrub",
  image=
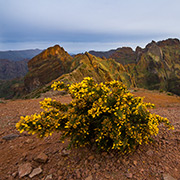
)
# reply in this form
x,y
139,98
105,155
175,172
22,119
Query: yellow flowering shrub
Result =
x,y
106,114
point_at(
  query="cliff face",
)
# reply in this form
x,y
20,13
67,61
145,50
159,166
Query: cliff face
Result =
x,y
47,66
158,66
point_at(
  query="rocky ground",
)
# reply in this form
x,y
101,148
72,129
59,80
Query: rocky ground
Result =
x,y
24,156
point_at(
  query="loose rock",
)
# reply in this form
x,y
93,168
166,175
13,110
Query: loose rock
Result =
x,y
10,137
49,177
65,152
91,157
129,175
29,141
168,177
104,153
14,174
96,166
89,178
135,162
24,169
35,172
42,158
149,153
78,174
60,172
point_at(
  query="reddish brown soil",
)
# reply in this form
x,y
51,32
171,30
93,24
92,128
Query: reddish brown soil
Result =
x,y
152,162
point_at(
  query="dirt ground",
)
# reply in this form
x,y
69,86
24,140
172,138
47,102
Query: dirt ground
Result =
x,y
156,161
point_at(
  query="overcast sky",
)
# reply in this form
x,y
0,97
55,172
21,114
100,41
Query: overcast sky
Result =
x,y
82,25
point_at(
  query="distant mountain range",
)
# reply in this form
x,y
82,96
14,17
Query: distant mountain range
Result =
x,y
12,69
157,66
124,55
19,55
13,64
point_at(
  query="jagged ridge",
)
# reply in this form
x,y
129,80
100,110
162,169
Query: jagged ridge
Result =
x,y
157,66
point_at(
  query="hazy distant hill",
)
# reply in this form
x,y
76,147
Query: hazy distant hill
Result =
x,y
12,69
124,55
13,64
19,55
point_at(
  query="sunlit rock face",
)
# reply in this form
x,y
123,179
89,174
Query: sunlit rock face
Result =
x,y
47,66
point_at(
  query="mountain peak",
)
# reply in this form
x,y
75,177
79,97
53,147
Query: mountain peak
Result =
x,y
52,51
48,65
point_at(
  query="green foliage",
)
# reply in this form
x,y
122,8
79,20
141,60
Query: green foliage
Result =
x,y
104,114
169,94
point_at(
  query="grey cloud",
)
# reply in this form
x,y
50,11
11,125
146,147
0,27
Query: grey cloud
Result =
x,y
88,20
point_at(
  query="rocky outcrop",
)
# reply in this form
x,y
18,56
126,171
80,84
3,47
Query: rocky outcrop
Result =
x,y
47,66
154,51
158,66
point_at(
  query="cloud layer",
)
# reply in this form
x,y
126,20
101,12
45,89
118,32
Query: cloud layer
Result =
x,y
90,21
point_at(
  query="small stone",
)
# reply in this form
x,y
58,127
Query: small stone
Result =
x,y
161,171
91,157
29,141
65,152
168,177
10,137
10,178
104,153
42,158
60,172
49,177
78,174
86,162
35,172
141,170
96,166
135,162
51,171
24,169
14,174
89,178
60,163
129,175
118,161
125,162
149,153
